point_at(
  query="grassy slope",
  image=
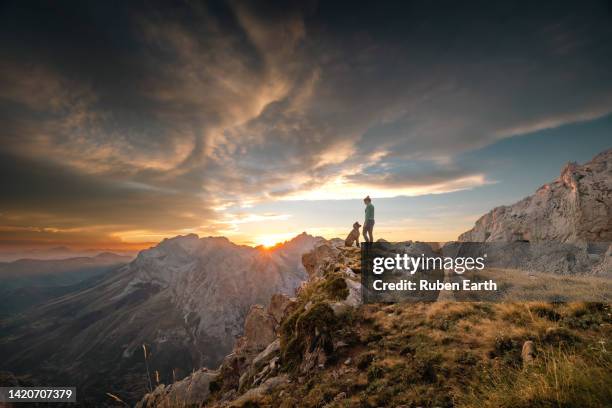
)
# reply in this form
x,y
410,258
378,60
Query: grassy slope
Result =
x,y
444,354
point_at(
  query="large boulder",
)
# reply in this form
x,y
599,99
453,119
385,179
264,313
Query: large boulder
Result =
x,y
190,391
278,305
254,395
259,328
528,353
353,299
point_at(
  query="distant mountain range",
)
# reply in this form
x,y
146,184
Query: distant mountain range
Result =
x,y
57,253
27,282
185,299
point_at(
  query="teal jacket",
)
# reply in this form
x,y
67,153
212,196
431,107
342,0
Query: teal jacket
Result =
x,y
369,212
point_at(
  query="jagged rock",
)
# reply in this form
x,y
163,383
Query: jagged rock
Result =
x,y
255,394
259,334
340,396
354,297
278,305
274,364
576,207
154,398
605,266
229,395
349,273
564,228
339,343
192,390
259,328
528,353
261,375
315,260
251,371
255,357
315,358
352,300
270,351
243,380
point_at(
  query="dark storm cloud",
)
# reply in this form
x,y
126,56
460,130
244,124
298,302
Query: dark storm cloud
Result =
x,y
138,112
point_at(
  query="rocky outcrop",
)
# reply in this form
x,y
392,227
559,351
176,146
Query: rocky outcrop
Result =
x,y
290,335
190,391
316,260
252,396
574,208
279,303
528,353
259,329
564,228
352,300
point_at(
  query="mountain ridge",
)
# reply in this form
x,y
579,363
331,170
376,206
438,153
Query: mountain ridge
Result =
x,y
576,207
185,299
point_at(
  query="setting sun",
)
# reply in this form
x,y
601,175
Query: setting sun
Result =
x,y
269,240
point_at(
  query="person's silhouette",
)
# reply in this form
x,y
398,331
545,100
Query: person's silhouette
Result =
x,y
368,225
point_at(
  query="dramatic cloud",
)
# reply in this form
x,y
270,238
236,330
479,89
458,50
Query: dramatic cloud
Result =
x,y
123,123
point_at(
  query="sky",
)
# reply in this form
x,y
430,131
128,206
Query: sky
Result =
x,y
124,123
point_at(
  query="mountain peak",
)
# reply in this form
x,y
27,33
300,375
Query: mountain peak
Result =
x,y
576,207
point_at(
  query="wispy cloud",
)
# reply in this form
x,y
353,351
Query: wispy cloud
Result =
x,y
174,117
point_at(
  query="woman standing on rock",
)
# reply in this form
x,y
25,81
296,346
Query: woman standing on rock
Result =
x,y
368,225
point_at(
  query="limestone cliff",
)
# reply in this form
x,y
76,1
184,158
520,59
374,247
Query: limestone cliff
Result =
x,y
574,208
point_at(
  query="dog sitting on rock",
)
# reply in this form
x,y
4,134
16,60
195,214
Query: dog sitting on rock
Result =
x,y
353,236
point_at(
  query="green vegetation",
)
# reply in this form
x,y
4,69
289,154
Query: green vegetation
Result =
x,y
304,331
335,287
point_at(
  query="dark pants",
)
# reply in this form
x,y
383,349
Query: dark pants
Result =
x,y
368,226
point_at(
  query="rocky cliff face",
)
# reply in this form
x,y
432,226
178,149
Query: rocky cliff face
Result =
x,y
186,299
213,282
574,208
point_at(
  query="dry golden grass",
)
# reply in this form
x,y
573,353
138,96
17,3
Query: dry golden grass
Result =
x,y
520,286
559,379
406,355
